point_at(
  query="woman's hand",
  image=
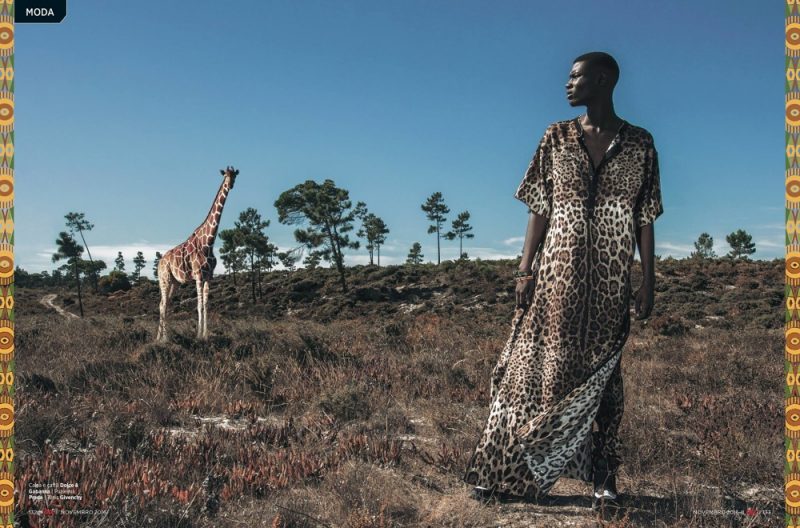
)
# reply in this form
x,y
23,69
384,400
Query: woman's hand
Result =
x,y
644,302
524,292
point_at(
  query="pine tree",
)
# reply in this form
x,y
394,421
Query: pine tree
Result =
x,y
77,222
373,230
250,238
289,258
119,262
232,253
70,250
704,247
155,264
360,212
266,256
461,229
327,211
435,209
138,265
378,232
741,244
415,254
92,269
312,260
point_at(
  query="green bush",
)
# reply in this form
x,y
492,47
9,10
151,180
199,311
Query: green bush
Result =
x,y
114,281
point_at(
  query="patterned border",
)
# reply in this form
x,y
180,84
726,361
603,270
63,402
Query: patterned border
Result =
x,y
7,483
792,328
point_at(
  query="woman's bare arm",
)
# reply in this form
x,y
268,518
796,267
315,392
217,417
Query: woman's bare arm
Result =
x,y
537,227
534,236
645,239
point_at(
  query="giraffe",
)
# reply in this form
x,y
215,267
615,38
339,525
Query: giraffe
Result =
x,y
193,259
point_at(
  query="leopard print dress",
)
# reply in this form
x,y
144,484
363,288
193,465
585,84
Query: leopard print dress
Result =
x,y
560,368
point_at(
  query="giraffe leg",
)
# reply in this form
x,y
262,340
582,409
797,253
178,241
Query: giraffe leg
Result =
x,y
167,286
205,310
170,291
199,283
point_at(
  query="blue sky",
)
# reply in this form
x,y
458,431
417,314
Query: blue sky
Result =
x,y
127,113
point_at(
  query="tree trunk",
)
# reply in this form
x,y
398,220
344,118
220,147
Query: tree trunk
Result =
x,y
438,249
378,249
341,276
460,246
94,271
253,278
78,281
337,256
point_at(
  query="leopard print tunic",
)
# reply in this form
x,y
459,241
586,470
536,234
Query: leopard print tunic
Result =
x,y
560,368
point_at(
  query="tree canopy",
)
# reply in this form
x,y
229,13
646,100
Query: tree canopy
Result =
x,y
327,213
68,249
248,243
155,264
461,230
415,254
704,247
138,265
77,222
741,243
232,252
373,230
435,211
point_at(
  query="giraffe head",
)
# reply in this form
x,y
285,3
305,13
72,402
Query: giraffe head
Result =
x,y
230,174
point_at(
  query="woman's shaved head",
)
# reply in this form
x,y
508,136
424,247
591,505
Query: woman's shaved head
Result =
x,y
598,60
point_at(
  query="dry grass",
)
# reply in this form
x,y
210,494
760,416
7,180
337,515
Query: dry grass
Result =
x,y
368,420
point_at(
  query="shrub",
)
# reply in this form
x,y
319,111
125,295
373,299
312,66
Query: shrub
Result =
x,y
668,325
347,403
699,282
114,281
41,429
127,432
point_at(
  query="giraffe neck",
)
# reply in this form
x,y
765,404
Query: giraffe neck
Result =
x,y
207,231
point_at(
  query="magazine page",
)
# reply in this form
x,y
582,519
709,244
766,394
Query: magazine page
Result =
x,y
394,264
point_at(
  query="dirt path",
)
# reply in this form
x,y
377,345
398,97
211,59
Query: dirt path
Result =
x,y
48,299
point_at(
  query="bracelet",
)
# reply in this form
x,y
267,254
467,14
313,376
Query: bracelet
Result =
x,y
523,279
518,274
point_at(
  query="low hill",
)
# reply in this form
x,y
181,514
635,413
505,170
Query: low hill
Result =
x,y
690,295
310,407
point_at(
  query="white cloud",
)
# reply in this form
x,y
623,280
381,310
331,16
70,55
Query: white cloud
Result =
x,y
764,243
129,250
489,254
429,252
106,253
673,250
514,241
363,259
387,247
482,253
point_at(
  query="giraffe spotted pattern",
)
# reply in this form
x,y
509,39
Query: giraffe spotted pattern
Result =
x,y
194,259
560,368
